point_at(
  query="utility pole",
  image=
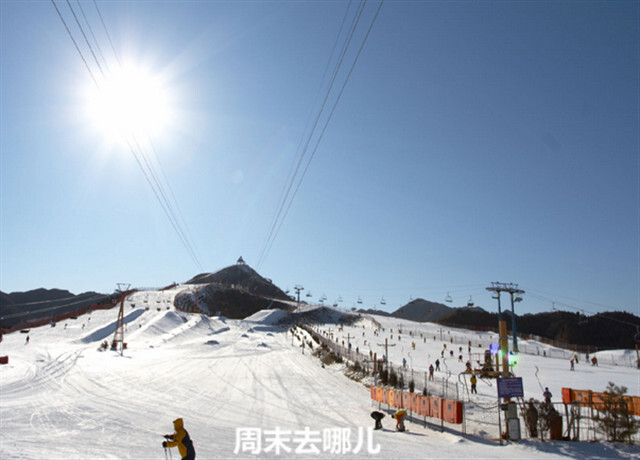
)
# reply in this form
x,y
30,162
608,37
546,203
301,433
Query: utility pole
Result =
x,y
298,288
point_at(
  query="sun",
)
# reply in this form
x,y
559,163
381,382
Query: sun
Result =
x,y
129,103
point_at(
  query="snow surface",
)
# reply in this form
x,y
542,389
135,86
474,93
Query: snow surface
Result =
x,y
61,398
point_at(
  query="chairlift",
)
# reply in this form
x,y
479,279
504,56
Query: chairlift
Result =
x,y
383,302
448,298
309,294
470,302
359,299
339,299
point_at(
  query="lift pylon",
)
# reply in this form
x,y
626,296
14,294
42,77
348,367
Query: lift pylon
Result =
x,y
118,336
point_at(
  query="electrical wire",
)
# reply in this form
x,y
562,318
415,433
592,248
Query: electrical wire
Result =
x,y
134,145
289,197
75,44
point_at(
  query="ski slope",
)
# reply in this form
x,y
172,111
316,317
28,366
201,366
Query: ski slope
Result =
x,y
61,398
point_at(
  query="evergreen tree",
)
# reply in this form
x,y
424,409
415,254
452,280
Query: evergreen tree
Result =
x,y
614,416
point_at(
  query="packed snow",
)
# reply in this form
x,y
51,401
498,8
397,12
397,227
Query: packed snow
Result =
x,y
240,386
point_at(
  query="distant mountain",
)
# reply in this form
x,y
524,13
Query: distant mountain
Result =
x,y
242,277
39,295
612,330
236,292
18,309
422,311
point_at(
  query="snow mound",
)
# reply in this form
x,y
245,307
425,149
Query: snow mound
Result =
x,y
270,317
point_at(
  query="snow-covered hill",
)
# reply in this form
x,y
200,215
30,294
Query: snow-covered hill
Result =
x,y
235,384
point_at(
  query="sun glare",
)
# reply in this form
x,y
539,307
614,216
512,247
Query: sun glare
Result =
x,y
129,102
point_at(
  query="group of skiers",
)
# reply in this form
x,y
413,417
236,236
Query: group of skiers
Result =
x,y
574,361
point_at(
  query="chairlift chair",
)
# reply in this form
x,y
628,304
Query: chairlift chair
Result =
x,y
448,298
470,302
359,300
383,302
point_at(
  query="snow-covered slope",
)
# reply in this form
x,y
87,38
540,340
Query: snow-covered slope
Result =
x,y
61,398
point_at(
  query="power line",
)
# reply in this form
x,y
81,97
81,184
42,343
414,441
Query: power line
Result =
x,y
85,38
287,200
135,147
75,44
107,33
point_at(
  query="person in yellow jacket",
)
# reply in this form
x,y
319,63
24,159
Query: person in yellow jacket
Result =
x,y
180,439
399,415
474,382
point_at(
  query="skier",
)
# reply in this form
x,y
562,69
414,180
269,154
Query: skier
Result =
x,y
572,364
594,361
377,416
431,372
180,439
437,364
547,395
399,415
473,381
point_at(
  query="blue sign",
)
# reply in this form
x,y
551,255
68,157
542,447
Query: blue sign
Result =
x,y
510,388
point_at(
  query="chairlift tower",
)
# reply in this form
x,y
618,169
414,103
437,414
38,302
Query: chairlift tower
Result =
x,y
298,288
513,290
118,336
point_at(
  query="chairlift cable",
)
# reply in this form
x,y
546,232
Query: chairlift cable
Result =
x,y
321,135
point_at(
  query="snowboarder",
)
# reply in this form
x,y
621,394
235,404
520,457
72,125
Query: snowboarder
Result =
x,y
437,364
547,395
399,415
473,381
180,439
377,416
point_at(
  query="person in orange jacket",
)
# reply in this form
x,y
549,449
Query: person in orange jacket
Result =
x,y
180,439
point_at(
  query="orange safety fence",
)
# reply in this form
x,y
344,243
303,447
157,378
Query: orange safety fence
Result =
x,y
452,411
391,398
436,408
449,410
588,398
406,400
414,402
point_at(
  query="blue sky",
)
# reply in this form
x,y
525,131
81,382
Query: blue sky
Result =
x,y
474,142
